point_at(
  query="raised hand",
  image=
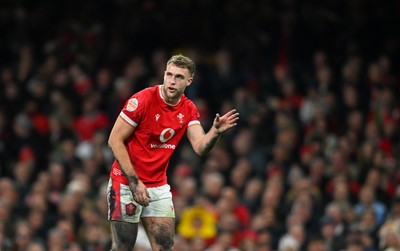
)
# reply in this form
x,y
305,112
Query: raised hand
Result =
x,y
228,120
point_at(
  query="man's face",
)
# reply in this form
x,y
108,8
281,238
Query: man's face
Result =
x,y
317,245
176,80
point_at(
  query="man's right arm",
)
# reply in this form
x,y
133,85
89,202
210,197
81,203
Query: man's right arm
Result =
x,y
120,132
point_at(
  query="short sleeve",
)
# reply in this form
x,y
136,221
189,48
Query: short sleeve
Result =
x,y
195,115
134,109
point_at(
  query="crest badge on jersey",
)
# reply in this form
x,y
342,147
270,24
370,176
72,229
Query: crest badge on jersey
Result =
x,y
132,104
180,117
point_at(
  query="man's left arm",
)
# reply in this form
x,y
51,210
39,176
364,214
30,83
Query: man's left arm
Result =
x,y
203,142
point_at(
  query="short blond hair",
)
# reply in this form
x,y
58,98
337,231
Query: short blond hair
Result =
x,y
183,62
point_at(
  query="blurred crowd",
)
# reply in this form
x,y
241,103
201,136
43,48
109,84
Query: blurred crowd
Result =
x,y
312,166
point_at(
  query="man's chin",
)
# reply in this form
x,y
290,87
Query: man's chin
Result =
x,y
173,94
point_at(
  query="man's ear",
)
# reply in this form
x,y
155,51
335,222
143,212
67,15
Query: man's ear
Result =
x,y
189,81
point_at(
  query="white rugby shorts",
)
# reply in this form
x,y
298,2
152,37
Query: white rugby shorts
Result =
x,y
122,206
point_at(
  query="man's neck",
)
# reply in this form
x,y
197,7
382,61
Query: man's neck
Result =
x,y
168,101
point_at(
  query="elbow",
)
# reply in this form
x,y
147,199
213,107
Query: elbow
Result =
x,y
111,143
198,150
201,151
115,143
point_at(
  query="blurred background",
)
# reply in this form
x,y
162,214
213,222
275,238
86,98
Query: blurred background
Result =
x,y
313,164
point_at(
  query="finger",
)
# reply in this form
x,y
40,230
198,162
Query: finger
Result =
x,y
142,203
147,194
139,196
231,112
136,198
233,122
231,126
142,198
234,116
217,117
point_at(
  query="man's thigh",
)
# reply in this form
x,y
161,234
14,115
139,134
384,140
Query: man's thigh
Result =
x,y
123,235
160,231
159,218
161,204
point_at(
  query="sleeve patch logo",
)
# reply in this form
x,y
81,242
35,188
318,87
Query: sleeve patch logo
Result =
x,y
132,104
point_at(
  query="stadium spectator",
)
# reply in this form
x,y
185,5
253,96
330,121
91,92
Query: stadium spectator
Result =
x,y
318,96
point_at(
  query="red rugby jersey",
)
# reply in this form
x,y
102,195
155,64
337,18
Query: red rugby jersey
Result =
x,y
159,129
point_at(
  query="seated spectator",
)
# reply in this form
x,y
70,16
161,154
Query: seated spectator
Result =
x,y
366,201
293,239
23,235
252,194
332,241
35,246
315,243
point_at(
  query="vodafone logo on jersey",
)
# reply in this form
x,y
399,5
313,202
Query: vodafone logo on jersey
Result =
x,y
166,134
